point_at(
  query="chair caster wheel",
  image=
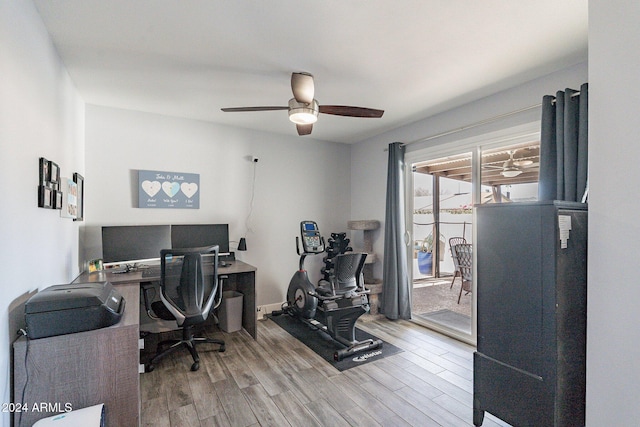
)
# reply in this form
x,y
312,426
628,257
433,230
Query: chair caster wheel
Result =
x,y
149,367
222,349
195,366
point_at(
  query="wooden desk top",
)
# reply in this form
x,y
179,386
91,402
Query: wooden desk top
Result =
x,y
234,267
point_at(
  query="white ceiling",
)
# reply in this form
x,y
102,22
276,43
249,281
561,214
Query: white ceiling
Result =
x,y
411,58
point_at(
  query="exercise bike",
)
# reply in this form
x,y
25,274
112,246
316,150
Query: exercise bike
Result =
x,y
340,298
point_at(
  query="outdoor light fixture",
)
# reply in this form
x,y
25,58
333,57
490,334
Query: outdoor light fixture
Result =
x,y
301,113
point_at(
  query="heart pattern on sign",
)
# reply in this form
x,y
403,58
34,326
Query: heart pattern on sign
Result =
x,y
189,189
151,187
171,188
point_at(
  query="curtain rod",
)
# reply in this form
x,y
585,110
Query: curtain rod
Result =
x,y
481,122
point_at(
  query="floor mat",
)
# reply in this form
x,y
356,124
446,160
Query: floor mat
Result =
x,y
449,318
323,345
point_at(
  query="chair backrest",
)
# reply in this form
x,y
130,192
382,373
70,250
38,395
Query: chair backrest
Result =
x,y
189,282
452,243
464,257
347,272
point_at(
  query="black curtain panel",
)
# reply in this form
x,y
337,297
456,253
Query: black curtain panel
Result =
x,y
564,146
396,290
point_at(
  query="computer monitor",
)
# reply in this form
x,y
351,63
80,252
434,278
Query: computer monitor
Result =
x,y
134,243
198,235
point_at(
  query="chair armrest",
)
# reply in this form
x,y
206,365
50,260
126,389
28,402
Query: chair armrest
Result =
x,y
217,299
146,287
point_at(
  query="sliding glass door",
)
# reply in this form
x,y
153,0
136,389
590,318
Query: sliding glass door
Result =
x,y
444,188
442,207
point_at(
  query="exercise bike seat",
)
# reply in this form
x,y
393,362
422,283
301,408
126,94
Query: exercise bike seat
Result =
x,y
346,276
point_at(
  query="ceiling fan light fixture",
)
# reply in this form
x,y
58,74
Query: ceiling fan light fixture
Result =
x,y
303,114
510,172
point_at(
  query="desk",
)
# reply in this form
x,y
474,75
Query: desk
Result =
x,y
241,278
101,366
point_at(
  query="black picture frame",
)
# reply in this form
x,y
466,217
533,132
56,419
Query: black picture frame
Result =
x,y
54,173
44,170
79,180
45,194
57,199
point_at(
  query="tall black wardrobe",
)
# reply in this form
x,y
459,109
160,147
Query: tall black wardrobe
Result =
x,y
530,363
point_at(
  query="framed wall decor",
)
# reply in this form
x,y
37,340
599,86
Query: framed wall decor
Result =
x,y
45,194
69,199
54,173
79,180
49,194
173,190
57,199
44,170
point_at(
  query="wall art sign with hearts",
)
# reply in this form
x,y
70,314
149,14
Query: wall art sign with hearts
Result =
x,y
174,190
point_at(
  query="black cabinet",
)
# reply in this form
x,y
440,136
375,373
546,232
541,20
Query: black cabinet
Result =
x,y
530,363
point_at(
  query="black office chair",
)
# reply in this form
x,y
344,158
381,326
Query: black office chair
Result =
x,y
189,291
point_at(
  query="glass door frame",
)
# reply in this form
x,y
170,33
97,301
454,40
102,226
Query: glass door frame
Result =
x,y
475,145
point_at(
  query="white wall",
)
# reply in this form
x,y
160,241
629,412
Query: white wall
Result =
x,y
613,334
296,179
40,115
369,164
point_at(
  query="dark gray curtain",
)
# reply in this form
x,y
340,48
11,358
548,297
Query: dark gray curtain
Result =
x,y
396,290
564,146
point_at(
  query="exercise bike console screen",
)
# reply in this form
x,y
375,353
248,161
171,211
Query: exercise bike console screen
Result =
x,y
311,239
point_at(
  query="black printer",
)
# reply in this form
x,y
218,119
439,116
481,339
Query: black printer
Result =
x,y
65,309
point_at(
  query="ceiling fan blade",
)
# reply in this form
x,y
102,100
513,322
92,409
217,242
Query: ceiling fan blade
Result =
x,y
345,110
304,129
302,87
240,109
529,165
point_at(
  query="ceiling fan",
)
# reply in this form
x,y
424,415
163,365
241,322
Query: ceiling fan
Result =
x,y
304,108
512,167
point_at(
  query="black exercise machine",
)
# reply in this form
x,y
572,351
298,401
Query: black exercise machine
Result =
x,y
340,298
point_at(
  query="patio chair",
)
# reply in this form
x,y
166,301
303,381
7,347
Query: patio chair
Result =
x,y
452,242
465,261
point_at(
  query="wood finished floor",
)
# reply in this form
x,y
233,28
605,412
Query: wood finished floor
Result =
x,y
277,381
